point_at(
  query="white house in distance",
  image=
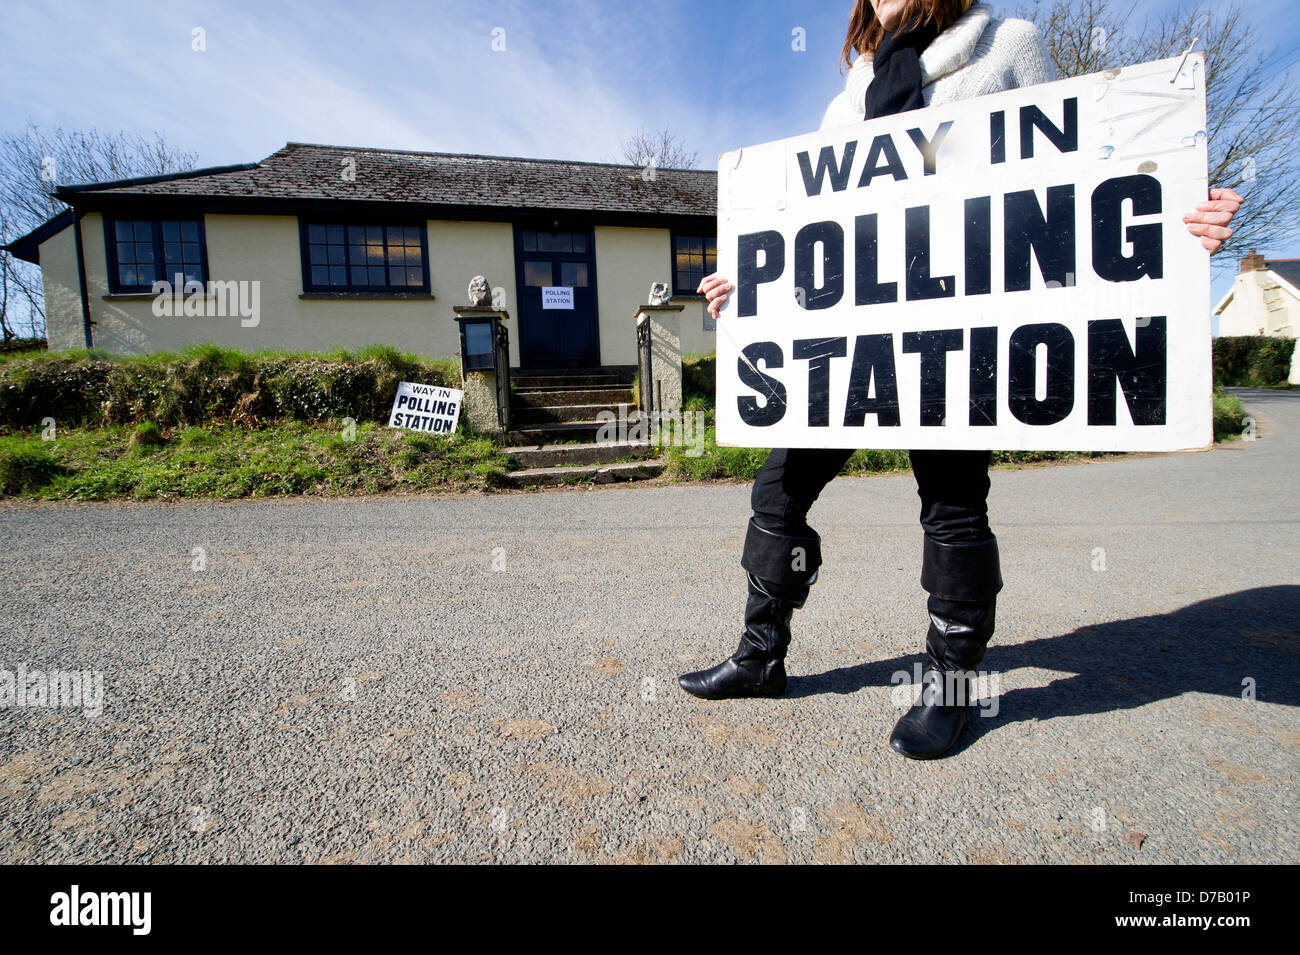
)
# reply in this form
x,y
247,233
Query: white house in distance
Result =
x,y
351,246
1264,300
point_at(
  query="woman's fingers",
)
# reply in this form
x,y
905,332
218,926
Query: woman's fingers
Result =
x,y
1212,236
714,288
1228,194
710,281
1209,230
1209,221
1209,217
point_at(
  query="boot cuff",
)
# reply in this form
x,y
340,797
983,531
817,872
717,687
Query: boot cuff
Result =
x,y
961,571
780,558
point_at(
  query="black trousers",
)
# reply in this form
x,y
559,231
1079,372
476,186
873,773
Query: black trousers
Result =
x,y
953,486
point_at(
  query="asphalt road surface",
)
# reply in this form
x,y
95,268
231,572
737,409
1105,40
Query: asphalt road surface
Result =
x,y
490,678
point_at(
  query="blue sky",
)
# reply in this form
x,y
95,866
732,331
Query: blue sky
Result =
x,y
574,79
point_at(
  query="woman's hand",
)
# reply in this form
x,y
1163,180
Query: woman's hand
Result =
x,y
715,289
1209,220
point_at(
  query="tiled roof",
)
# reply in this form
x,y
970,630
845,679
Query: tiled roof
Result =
x,y
1289,269
306,171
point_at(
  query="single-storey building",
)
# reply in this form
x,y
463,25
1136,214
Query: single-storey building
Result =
x,y
1264,300
344,247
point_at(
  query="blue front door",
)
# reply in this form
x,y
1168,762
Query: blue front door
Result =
x,y
565,336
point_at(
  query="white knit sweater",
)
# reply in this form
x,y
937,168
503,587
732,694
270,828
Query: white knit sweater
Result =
x,y
977,55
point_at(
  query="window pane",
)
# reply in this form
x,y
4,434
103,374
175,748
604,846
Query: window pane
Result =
x,y
579,242
143,231
478,338
396,276
397,255
145,274
573,273
171,252
412,234
530,241
123,231
143,253
375,233
359,276
189,232
375,253
537,273
171,231
126,274
338,275
126,252
414,255
337,256
190,251
559,242
357,234
320,275
316,233
415,277
317,253
334,234
376,275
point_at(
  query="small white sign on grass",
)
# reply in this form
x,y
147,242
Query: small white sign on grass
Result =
x,y
429,408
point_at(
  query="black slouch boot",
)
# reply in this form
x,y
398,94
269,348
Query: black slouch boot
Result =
x,y
781,569
963,581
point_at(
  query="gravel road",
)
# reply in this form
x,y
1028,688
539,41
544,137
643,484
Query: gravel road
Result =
x,y
492,677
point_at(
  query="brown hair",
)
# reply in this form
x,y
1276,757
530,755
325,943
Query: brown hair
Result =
x,y
865,31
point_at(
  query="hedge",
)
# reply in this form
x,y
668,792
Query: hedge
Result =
x,y
207,383
1252,361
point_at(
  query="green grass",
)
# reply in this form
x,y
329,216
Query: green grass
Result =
x,y
1229,416
232,461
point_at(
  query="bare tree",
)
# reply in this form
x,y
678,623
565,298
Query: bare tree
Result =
x,y
1252,119
33,162
661,149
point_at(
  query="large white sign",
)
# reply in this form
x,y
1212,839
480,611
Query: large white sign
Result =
x,y
430,408
1008,272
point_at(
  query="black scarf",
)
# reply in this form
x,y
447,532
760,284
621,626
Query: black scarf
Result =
x,y
896,84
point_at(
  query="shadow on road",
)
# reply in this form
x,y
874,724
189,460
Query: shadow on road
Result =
x,y
1207,647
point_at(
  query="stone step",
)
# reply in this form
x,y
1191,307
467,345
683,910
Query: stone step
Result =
x,y
597,473
553,414
571,396
526,382
536,434
552,455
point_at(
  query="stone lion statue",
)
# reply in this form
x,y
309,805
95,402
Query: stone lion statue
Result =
x,y
480,293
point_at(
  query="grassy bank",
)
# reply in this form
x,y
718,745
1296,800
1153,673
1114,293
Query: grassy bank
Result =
x,y
214,422
231,460
1229,416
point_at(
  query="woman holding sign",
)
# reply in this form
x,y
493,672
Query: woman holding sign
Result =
x,y
911,54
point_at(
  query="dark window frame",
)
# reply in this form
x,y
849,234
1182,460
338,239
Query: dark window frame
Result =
x,y
672,258
304,255
115,286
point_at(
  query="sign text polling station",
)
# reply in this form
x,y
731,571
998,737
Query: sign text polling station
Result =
x,y
1005,272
